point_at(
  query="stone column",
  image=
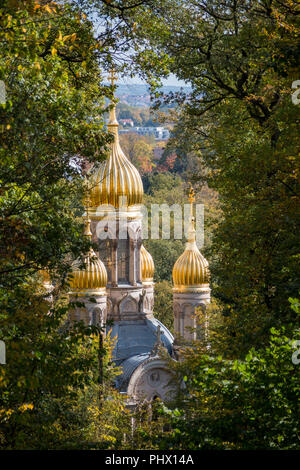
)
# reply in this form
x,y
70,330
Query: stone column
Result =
x,y
114,259
138,261
85,313
132,262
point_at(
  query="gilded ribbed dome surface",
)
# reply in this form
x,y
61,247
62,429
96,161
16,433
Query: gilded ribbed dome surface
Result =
x,y
92,276
147,265
191,269
117,177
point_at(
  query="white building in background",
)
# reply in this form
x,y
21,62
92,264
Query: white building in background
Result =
x,y
159,133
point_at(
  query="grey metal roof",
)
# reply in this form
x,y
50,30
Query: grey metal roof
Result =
x,y
138,337
128,367
134,343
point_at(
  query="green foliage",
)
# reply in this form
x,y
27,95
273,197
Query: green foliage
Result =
x,y
45,361
164,188
51,120
49,386
162,183
140,116
240,59
164,264
139,149
51,123
163,303
249,404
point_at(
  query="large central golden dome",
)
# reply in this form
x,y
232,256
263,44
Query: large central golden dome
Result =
x,y
116,181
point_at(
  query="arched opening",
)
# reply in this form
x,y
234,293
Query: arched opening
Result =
x,y
96,317
123,261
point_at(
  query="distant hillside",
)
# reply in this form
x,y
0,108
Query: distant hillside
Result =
x,y
135,89
138,95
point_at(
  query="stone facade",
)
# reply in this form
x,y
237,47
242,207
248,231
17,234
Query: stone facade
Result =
x,y
92,313
184,307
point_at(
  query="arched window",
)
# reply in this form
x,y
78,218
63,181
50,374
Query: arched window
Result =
x,y
96,317
123,261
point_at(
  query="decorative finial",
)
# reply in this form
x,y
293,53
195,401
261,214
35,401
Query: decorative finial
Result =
x,y
158,335
112,76
86,203
87,228
191,198
113,123
192,231
86,196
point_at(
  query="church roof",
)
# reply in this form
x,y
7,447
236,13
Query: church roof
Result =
x,y
128,367
138,337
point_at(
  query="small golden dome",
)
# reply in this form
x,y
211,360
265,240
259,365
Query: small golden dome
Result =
x,y
191,270
91,277
147,265
116,181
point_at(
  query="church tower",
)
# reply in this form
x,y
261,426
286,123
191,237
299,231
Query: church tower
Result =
x,y
191,284
115,210
122,285
116,194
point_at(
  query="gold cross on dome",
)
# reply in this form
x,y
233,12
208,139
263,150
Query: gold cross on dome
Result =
x,y
191,199
112,77
86,196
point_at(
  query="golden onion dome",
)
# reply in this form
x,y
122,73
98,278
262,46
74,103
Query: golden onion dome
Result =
x,y
147,265
191,270
116,181
90,275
